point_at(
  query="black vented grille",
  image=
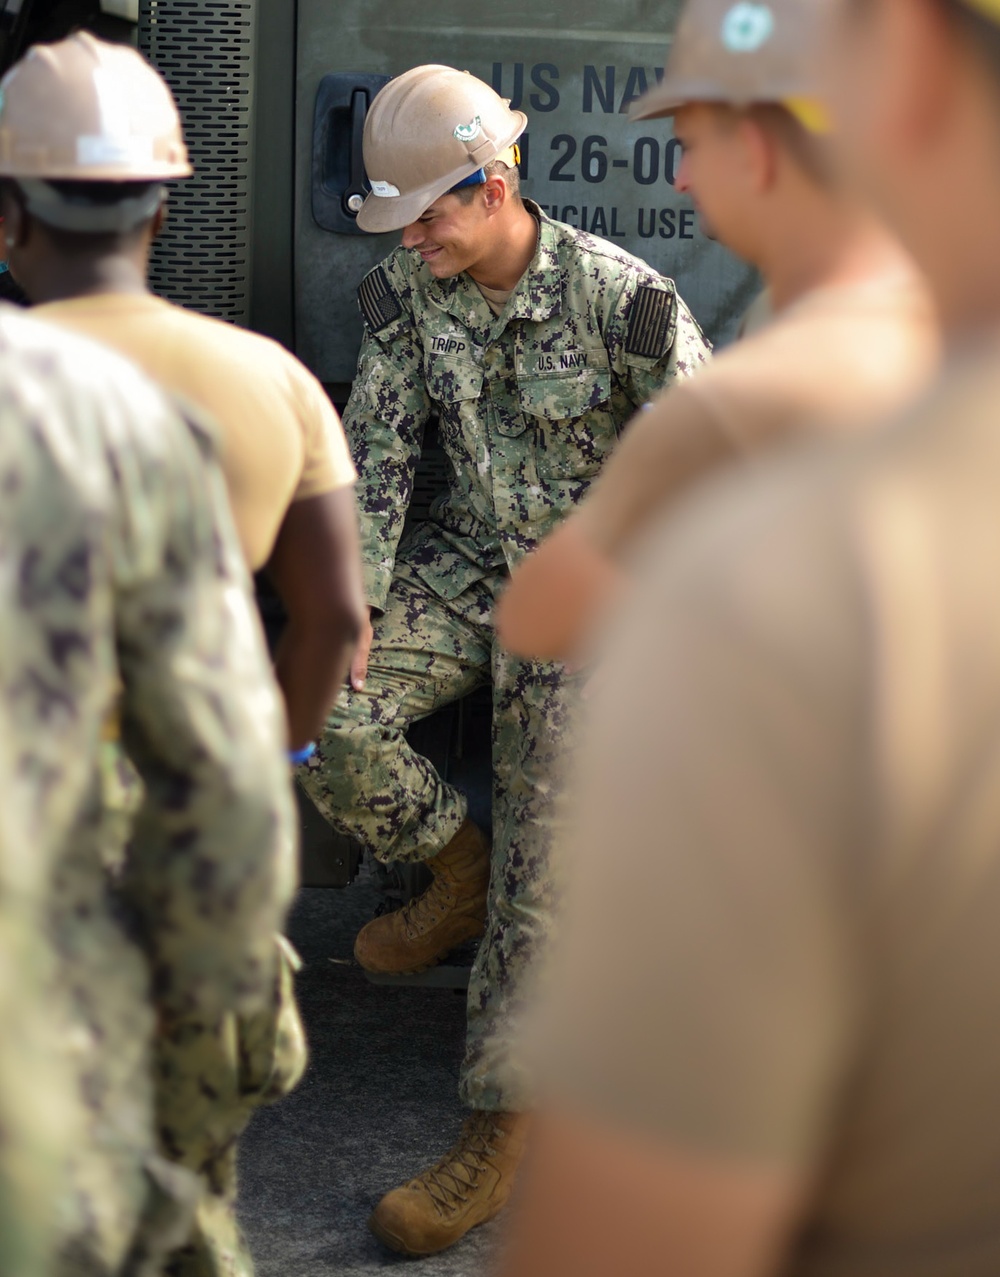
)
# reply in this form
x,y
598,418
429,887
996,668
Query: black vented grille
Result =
x,y
204,48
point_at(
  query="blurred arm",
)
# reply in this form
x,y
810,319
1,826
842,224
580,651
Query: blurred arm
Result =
x,y
559,594
316,568
666,449
596,1201
556,597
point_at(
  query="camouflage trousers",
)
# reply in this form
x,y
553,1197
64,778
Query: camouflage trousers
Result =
x,y
429,651
210,1077
207,1078
125,1207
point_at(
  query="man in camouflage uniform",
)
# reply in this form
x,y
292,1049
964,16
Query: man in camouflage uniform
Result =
x,y
124,586
533,343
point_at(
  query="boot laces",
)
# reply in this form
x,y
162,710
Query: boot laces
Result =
x,y
426,910
449,1183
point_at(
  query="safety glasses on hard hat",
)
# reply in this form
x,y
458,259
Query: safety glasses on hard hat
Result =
x,y
511,157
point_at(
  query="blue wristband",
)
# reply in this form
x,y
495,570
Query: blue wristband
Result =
x,y
297,756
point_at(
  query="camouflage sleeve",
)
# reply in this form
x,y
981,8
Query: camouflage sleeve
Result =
x,y
212,866
652,337
40,1120
384,420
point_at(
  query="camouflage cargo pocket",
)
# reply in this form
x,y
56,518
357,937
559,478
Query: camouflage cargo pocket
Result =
x,y
272,1042
455,386
570,408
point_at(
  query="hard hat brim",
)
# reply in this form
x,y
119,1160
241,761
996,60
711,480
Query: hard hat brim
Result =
x,y
670,95
379,214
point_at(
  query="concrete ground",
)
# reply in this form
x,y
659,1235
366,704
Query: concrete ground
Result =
x,y
378,1103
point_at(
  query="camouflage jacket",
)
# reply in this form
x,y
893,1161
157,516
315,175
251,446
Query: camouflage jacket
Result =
x,y
529,403
122,582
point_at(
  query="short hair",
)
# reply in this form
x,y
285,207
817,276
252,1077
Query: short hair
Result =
x,y
510,173
980,33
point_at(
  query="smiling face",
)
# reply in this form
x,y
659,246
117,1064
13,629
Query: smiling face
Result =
x,y
453,235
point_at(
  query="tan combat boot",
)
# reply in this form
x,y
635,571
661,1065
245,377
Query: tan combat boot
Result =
x,y
467,1187
450,911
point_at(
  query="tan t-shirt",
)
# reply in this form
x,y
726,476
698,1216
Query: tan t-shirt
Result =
x,y
496,298
280,437
782,933
838,357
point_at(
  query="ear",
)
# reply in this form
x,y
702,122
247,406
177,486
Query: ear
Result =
x,y
159,217
924,75
495,195
759,155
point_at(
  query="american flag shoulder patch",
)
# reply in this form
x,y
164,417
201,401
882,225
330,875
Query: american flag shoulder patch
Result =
x,y
651,322
378,300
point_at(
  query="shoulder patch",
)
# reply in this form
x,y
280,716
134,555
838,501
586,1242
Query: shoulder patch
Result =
x,y
378,300
651,325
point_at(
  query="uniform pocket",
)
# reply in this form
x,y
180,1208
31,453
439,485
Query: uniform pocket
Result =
x,y
272,1042
574,426
558,397
454,385
452,381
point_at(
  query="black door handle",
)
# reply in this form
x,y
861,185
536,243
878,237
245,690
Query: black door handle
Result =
x,y
357,188
339,182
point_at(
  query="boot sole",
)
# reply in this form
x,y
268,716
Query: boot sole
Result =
x,y
427,966
394,1243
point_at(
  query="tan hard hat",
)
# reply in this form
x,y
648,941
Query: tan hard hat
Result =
x,y
88,111
740,52
428,130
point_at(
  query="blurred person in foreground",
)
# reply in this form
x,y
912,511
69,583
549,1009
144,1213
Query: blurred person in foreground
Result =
x,y
122,585
770,1035
854,334
41,1118
80,225
80,221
